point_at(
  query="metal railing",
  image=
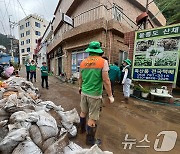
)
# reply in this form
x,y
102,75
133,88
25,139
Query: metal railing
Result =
x,y
102,11
89,15
92,14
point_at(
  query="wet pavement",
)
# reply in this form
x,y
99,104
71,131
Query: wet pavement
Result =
x,y
137,119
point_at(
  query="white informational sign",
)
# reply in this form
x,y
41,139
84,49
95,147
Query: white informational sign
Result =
x,y
68,19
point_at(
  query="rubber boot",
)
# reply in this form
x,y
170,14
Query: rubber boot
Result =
x,y
90,136
82,125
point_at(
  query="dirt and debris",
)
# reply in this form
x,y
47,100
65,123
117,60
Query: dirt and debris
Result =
x,y
29,125
118,119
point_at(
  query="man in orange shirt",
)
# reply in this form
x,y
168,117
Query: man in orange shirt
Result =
x,y
93,74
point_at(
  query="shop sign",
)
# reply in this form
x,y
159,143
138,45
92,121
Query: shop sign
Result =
x,y
156,54
68,20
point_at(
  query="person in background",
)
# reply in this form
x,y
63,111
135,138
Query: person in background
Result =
x,y
44,75
33,71
126,82
8,72
93,74
114,75
27,69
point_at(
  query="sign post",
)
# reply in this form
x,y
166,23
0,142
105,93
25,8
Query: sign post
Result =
x,y
156,54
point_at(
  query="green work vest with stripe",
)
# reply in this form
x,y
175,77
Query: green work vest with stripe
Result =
x,y
91,72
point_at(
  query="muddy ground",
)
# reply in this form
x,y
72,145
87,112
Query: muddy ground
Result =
x,y
135,119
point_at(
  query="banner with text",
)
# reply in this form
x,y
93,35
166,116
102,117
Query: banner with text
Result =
x,y
156,54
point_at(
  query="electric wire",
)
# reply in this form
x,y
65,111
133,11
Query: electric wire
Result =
x,y
3,28
15,11
2,23
25,13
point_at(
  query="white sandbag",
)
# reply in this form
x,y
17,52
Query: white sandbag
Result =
x,y
70,128
11,101
19,125
32,117
67,125
18,117
47,143
3,131
47,105
2,90
68,118
3,102
22,116
62,131
47,125
73,148
3,115
71,116
12,139
58,146
73,131
35,135
27,147
3,123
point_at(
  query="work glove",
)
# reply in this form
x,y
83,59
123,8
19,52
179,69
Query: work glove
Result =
x,y
111,99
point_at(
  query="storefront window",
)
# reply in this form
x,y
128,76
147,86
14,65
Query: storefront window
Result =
x,y
77,58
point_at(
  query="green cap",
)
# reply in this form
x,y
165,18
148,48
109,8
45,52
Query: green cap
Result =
x,y
128,61
94,47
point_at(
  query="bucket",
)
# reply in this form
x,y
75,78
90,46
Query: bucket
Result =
x,y
153,90
159,91
144,95
131,91
165,92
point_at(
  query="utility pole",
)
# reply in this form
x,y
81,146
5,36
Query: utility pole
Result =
x,y
146,21
11,38
11,26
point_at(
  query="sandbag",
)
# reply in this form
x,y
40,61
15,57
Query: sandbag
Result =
x,y
22,116
73,148
48,142
47,105
58,146
18,117
27,147
19,125
35,135
71,116
3,123
11,105
47,125
3,129
3,102
68,118
12,139
3,115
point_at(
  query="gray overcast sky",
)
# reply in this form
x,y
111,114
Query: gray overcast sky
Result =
x,y
44,8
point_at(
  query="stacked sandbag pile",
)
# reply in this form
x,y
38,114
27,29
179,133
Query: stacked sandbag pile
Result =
x,y
29,125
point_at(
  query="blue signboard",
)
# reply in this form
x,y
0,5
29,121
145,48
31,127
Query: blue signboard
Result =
x,y
154,74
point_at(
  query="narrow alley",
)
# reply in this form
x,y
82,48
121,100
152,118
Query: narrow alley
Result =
x,y
135,119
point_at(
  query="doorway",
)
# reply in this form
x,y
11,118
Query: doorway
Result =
x,y
59,65
122,56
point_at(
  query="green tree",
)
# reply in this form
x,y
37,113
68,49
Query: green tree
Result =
x,y
5,41
170,9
